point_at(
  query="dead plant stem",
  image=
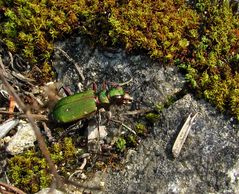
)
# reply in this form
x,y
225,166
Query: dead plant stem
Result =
x,y
38,134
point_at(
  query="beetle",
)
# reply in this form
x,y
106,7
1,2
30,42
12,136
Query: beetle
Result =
x,y
83,104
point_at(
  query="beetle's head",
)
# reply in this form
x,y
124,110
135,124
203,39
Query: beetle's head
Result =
x,y
127,99
118,96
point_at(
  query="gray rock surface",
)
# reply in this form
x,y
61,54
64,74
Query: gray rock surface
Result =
x,y
209,160
151,83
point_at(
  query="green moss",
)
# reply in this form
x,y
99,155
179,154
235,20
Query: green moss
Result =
x,y
152,117
132,140
33,26
26,171
30,27
47,71
213,67
159,107
160,27
140,129
120,144
29,171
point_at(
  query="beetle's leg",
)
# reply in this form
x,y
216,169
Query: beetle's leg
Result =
x,y
67,91
108,116
94,86
80,86
72,128
97,144
98,123
114,84
104,85
48,132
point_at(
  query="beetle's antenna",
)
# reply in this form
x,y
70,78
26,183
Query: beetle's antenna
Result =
x,y
126,83
121,84
104,85
94,86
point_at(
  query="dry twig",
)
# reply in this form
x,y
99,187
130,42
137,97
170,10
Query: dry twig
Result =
x,y
8,189
22,115
39,137
79,70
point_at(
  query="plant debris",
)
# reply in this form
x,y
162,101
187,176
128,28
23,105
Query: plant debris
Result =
x,y
183,133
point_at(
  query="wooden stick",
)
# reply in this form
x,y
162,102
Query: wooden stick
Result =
x,y
22,115
11,188
40,138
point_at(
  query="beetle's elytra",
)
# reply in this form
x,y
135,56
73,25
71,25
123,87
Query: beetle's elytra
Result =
x,y
75,107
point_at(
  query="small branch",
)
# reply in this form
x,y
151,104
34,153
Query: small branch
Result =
x,y
136,112
125,83
72,61
125,126
22,115
80,169
2,67
11,188
38,134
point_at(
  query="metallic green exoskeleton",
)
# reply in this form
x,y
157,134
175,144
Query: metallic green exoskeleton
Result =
x,y
81,105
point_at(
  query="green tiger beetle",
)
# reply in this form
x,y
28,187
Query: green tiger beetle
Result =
x,y
81,105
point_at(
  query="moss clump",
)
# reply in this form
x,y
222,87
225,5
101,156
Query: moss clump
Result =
x,y
129,139
132,140
29,171
47,71
140,129
159,107
152,117
164,28
30,27
120,144
212,69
